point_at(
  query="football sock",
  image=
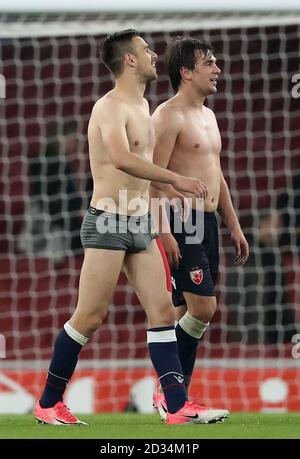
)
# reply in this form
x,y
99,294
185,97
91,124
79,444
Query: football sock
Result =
x,y
188,332
67,346
163,352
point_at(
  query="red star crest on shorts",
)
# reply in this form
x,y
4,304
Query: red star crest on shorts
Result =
x,y
196,276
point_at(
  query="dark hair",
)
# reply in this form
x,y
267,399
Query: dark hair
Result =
x,y
114,48
181,52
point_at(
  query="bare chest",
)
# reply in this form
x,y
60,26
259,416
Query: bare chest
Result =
x,y
200,137
140,133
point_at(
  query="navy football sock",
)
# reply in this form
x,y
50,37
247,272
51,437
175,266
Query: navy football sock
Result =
x,y
62,366
163,351
187,351
188,332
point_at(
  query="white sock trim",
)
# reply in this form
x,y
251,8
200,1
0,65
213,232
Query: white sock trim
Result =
x,y
164,336
56,376
192,326
75,335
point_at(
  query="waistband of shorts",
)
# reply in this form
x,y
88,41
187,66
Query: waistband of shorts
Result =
x,y
119,217
195,212
207,215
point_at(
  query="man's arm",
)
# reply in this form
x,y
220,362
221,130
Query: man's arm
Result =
x,y
228,215
111,118
167,124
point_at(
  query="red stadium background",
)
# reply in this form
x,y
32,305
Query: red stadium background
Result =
x,y
58,80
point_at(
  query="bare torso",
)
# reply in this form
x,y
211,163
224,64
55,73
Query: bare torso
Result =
x,y
115,190
197,148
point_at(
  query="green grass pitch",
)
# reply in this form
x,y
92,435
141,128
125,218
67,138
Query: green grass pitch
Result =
x,y
138,426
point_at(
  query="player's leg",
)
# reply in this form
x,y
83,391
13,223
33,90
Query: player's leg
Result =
x,y
195,282
190,328
192,320
179,285
193,310
99,275
179,312
146,273
195,301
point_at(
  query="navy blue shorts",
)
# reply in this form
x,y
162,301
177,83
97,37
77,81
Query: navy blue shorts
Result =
x,y
199,266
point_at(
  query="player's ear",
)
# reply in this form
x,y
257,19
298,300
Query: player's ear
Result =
x,y
129,59
185,74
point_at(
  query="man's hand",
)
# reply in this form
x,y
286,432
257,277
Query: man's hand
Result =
x,y
185,210
191,185
177,200
171,248
241,246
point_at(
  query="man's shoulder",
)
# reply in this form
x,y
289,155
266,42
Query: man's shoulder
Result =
x,y
209,111
109,100
169,111
108,104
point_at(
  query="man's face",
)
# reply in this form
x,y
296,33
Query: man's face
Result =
x,y
206,73
145,59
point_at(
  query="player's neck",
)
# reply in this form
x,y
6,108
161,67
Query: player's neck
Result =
x,y
191,97
131,89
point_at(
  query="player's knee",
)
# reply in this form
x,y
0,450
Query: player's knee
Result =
x,y
162,315
167,314
179,312
203,311
169,318
93,323
88,323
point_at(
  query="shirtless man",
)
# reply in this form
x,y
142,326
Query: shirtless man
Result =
x,y
188,142
116,232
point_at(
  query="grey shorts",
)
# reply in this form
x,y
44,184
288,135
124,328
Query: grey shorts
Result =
x,y
105,230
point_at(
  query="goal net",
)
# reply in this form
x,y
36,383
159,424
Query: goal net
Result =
x,y
52,74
